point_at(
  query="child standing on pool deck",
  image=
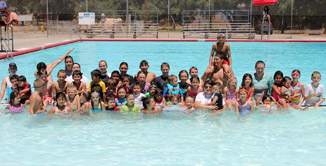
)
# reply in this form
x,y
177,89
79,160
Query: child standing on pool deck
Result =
x,y
277,89
130,106
60,85
121,100
315,93
247,85
172,88
297,88
245,106
194,88
73,99
60,107
231,94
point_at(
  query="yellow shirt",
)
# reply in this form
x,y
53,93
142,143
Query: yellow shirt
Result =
x,y
101,83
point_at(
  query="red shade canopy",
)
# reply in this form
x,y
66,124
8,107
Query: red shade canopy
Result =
x,y
264,2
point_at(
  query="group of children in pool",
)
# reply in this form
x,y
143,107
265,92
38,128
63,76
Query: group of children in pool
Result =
x,y
136,95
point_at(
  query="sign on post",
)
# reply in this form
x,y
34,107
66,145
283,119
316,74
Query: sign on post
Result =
x,y
86,18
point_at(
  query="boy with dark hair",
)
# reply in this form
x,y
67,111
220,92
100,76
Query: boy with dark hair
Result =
x,y
24,89
96,80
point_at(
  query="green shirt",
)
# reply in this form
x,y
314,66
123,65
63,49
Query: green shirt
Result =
x,y
148,95
125,108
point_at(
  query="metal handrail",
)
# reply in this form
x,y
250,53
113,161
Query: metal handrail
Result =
x,y
76,32
8,49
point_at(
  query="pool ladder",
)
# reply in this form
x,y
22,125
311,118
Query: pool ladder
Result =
x,y
76,32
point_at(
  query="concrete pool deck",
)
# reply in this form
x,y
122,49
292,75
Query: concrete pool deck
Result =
x,y
23,41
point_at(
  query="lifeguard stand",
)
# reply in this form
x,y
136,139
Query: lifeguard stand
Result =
x,y
7,20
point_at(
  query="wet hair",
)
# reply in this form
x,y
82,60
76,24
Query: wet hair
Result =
x,y
221,56
188,96
158,91
115,72
146,101
111,80
315,72
40,66
96,73
209,82
266,96
60,94
183,71
76,64
194,78
103,61
244,79
136,84
77,73
22,78
123,63
38,82
277,73
97,88
218,84
141,72
165,64
129,94
192,68
13,95
61,71
172,77
231,79
143,63
286,78
67,57
297,70
40,73
259,62
108,98
92,103
172,97
13,77
121,87
73,88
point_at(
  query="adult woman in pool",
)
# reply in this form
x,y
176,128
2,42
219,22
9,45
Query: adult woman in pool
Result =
x,y
204,99
6,84
261,81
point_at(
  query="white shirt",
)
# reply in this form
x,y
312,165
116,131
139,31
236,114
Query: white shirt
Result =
x,y
84,80
138,100
310,89
204,99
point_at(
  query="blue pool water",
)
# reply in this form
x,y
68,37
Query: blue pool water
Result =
x,y
171,138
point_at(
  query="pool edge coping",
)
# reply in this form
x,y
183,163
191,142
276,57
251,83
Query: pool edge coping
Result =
x,y
4,56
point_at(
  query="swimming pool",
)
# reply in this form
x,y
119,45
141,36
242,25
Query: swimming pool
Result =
x,y
171,138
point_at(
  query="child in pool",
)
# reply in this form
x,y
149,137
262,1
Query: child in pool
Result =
x,y
116,76
172,88
138,95
231,94
73,99
60,85
277,89
183,76
96,81
266,103
194,88
190,104
36,99
15,103
111,105
159,99
14,87
24,89
287,92
314,93
245,106
141,77
95,105
174,101
247,85
130,106
218,99
60,107
121,100
149,106
80,86
111,89
297,88
151,91
126,84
